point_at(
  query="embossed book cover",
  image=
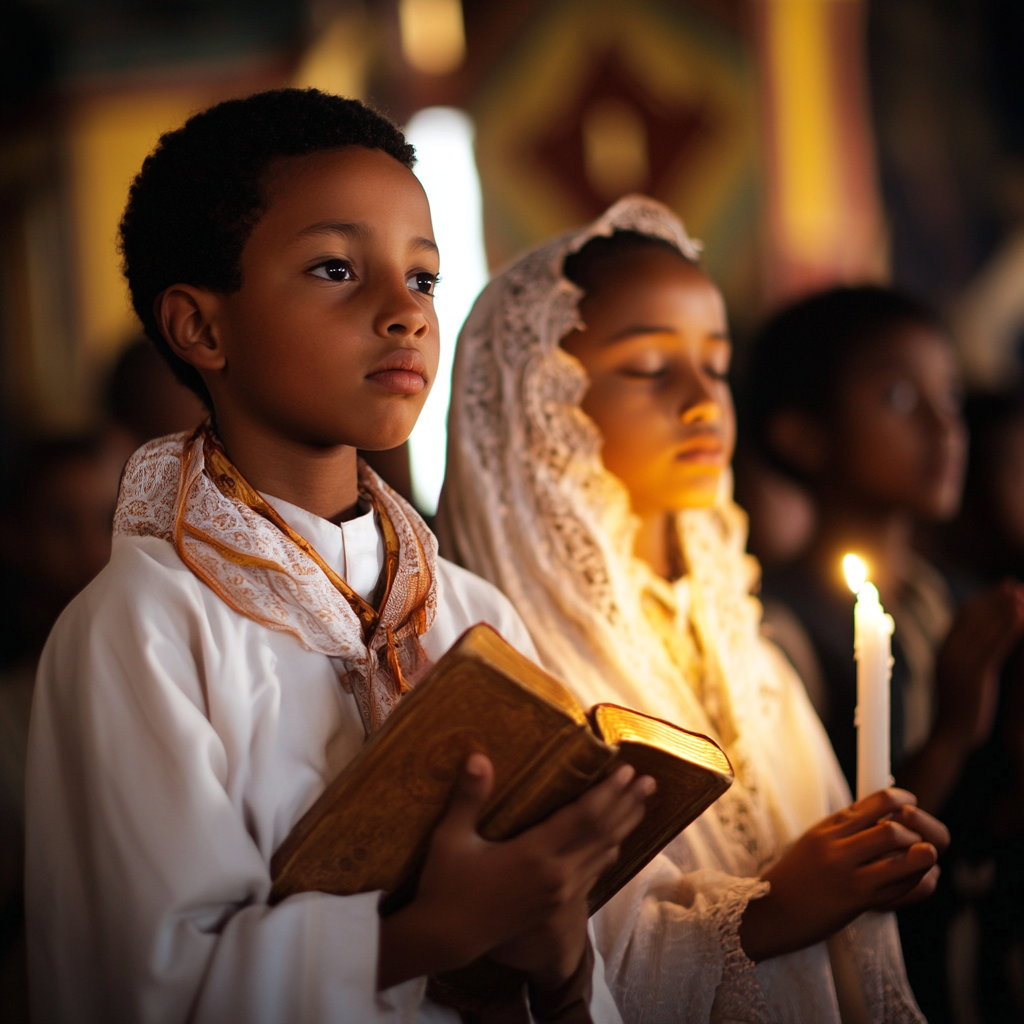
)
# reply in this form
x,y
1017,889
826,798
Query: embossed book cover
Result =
x,y
369,829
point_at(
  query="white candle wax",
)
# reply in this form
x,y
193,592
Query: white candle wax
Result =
x,y
872,647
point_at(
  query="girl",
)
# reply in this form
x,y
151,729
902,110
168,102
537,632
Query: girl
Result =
x,y
591,430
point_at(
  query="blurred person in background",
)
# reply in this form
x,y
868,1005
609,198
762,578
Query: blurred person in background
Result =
x,y
980,903
856,393
146,400
55,534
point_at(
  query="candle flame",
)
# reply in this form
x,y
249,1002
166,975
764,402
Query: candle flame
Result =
x,y
856,572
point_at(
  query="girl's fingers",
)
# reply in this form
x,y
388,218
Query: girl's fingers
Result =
x,y
897,868
930,829
884,838
902,896
867,812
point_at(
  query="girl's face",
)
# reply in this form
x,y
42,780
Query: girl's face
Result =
x,y
898,439
656,349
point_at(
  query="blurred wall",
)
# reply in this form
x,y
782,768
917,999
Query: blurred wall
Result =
x,y
754,119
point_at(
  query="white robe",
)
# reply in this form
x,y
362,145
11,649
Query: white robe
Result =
x,y
174,744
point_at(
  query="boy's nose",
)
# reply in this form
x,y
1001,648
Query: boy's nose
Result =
x,y
400,315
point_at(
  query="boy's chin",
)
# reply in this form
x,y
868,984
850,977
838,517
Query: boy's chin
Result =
x,y
385,444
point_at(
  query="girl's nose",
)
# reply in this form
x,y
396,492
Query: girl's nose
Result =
x,y
704,411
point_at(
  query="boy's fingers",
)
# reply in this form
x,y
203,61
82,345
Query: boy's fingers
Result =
x,y
867,812
596,817
472,788
565,825
606,822
595,858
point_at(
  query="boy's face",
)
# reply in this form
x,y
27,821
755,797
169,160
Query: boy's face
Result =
x,y
898,439
656,349
332,338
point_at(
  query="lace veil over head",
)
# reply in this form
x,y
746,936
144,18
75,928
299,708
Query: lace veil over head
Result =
x,y
528,504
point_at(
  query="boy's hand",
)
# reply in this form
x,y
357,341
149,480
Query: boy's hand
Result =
x,y
474,896
586,835
878,854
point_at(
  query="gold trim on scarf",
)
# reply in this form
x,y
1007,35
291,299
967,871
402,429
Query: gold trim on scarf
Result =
x,y
233,485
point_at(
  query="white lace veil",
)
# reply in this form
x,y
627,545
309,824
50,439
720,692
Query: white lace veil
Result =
x,y
528,504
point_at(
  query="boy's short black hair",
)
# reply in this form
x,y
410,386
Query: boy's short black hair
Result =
x,y
585,266
799,358
202,190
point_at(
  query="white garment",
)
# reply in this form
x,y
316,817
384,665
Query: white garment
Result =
x,y
174,744
353,549
528,504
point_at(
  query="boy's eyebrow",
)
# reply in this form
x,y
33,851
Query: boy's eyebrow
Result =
x,y
357,230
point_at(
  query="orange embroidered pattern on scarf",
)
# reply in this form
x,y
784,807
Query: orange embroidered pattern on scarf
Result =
x,y
185,489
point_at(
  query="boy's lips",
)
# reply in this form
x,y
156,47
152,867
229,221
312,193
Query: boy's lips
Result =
x,y
404,372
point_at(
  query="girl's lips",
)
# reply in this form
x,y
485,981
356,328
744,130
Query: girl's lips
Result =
x,y
401,382
704,450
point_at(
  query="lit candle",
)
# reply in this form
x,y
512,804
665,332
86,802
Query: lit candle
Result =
x,y
872,649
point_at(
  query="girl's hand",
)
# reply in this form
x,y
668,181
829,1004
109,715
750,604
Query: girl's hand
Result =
x,y
878,854
520,899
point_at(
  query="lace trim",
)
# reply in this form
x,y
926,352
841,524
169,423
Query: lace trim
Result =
x,y
875,944
739,997
261,573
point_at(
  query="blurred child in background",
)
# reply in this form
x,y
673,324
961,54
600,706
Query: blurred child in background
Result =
x,y
856,393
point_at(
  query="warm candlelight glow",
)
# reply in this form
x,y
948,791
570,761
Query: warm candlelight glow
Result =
x,y
856,572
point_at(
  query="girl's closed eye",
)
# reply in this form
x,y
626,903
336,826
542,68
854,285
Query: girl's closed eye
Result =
x,y
646,366
423,282
718,356
333,270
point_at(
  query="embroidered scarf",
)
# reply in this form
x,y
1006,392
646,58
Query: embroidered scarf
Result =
x,y
184,489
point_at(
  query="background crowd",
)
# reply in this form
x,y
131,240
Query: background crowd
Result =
x,y
857,172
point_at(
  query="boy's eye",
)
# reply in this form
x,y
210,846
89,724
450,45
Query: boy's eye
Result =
x,y
423,282
717,372
902,398
333,270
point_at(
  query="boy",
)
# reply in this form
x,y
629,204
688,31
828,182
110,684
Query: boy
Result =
x,y
266,603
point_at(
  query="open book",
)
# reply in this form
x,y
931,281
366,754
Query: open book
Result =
x,y
370,828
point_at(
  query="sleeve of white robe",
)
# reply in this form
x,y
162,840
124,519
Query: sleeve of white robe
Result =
x,y
153,891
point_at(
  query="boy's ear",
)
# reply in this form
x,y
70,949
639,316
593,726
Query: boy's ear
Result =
x,y
187,318
800,440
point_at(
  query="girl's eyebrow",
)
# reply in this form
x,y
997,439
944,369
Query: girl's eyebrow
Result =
x,y
638,330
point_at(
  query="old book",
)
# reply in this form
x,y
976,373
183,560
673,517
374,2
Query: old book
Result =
x,y
370,828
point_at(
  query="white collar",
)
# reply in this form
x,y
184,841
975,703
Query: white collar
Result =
x,y
353,549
